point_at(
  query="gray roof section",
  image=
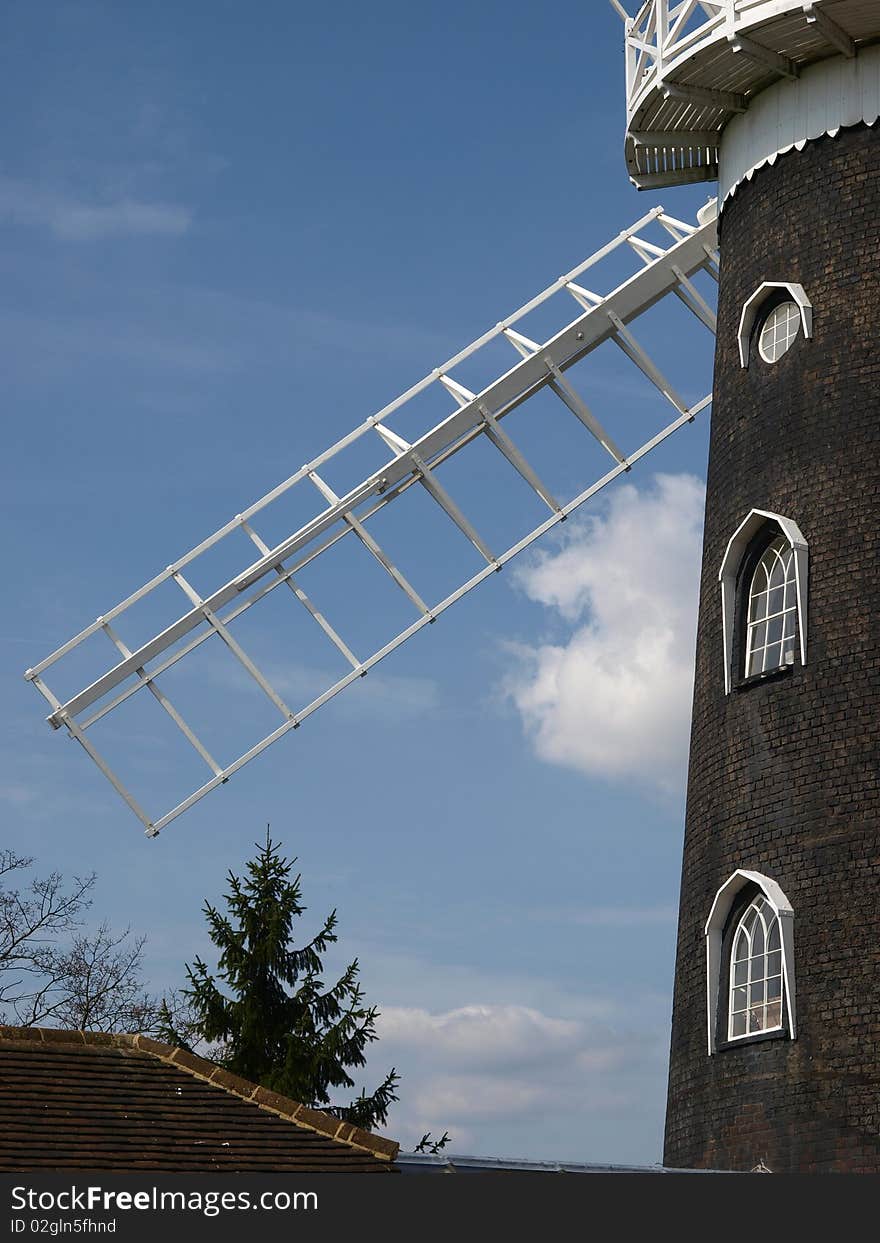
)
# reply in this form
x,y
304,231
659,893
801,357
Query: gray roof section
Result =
x,y
425,1163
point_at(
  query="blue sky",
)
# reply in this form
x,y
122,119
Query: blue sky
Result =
x,y
229,234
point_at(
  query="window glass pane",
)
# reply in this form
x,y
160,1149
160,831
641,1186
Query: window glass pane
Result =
x,y
792,321
738,1025
758,634
756,1019
738,1001
773,656
757,947
774,963
774,988
740,973
777,573
774,1014
773,942
774,630
758,608
776,600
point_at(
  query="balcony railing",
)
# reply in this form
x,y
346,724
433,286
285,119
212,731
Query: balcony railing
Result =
x,y
691,65
664,30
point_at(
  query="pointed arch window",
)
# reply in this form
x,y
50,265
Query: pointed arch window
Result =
x,y
755,996
772,610
750,963
764,579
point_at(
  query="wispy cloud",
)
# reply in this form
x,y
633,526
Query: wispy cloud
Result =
x,y
613,698
387,697
482,1036
16,794
606,916
170,330
472,1068
74,220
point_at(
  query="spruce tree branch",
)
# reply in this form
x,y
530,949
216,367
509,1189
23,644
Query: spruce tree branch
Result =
x,y
268,1006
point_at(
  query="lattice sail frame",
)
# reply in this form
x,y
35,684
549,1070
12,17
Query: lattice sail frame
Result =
x,y
666,270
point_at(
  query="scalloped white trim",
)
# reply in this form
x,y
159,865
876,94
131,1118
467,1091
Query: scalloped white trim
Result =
x,y
826,98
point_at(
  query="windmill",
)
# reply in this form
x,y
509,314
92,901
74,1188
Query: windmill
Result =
x,y
777,985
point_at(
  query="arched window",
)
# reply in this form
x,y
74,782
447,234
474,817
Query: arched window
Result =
x,y
755,995
749,962
763,577
771,623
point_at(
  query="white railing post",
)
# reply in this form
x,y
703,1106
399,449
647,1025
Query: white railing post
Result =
x,y
662,24
631,54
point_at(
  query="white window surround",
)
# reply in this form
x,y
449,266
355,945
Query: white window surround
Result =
x,y
736,547
752,309
721,908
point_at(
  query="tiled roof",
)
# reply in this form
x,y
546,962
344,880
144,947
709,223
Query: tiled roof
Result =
x,y
87,1100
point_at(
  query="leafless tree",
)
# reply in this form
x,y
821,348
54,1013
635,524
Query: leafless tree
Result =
x,y
51,972
100,978
31,920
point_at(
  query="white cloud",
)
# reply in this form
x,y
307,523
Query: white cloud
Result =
x,y
484,1070
474,1098
613,698
72,220
481,1035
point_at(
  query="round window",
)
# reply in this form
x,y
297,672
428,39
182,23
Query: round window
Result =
x,y
779,331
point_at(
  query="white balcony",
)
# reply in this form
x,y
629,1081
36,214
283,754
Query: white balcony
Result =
x,y
692,65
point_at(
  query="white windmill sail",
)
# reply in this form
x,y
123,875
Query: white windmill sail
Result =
x,y
662,270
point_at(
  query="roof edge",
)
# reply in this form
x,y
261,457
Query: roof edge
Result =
x,y
200,1068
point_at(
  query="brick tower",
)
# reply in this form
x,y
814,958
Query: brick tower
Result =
x,y
775,1054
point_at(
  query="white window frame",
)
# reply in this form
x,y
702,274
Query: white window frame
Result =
x,y
752,309
786,561
730,565
721,907
760,906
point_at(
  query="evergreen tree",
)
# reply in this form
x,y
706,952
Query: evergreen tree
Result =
x,y
273,1021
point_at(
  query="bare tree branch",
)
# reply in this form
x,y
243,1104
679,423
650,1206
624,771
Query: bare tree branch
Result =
x,y
93,981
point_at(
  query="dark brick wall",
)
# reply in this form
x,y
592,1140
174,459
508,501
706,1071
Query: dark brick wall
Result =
x,y
783,775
